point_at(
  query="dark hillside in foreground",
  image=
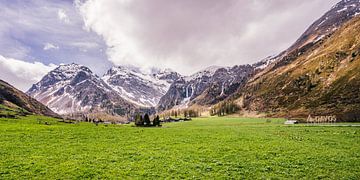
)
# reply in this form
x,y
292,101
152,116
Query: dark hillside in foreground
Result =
x,y
12,98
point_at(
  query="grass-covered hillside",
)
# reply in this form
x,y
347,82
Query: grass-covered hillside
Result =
x,y
322,78
206,148
12,112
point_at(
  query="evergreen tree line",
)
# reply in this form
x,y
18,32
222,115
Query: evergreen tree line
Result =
x,y
144,121
224,108
190,112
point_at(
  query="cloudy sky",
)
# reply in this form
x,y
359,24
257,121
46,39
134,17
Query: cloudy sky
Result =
x,y
184,35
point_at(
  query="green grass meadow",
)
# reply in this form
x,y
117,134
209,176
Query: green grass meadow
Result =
x,y
205,148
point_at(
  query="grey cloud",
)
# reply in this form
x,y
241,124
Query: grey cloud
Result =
x,y
189,35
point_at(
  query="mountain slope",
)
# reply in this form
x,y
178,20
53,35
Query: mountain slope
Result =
x,y
143,89
328,23
322,28
74,88
14,98
323,79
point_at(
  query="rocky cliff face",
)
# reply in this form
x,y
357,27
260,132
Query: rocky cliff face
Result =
x,y
205,87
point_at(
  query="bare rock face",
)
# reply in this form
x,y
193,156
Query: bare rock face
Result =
x,y
205,87
74,88
224,83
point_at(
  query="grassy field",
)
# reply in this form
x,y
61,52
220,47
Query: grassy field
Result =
x,y
212,148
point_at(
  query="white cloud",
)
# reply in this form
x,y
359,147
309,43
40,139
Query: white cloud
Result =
x,y
189,35
43,36
22,74
49,46
85,45
63,16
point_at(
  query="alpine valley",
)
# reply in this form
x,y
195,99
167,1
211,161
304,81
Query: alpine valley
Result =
x,y
319,74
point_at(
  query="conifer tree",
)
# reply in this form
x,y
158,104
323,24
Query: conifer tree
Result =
x,y
147,120
156,121
139,120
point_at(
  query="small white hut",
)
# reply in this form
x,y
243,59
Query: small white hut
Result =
x,y
289,122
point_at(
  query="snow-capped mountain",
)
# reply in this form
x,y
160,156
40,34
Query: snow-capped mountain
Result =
x,y
205,87
74,88
141,88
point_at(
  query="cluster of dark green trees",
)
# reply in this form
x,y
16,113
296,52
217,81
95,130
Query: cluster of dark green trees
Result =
x,y
144,121
183,113
224,108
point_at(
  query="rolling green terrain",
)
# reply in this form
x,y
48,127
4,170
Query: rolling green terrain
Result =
x,y
207,148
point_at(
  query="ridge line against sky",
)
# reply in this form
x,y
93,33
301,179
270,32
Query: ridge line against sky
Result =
x,y
183,35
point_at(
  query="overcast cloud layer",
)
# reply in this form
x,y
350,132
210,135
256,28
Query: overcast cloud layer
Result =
x,y
189,35
185,35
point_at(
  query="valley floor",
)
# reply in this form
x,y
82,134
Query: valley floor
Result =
x,y
205,148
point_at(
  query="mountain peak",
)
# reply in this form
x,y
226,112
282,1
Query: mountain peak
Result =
x,y
132,69
72,68
118,70
209,71
64,73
